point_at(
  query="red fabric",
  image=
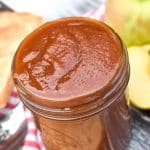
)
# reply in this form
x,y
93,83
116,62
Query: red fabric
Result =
x,y
33,139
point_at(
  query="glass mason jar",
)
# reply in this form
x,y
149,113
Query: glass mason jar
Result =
x,y
97,121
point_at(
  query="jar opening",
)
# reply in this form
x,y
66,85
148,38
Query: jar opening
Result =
x,y
97,99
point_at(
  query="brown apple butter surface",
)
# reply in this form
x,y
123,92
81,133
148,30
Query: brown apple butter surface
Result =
x,y
72,73
68,58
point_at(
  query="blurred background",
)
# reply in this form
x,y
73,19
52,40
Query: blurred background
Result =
x,y
52,9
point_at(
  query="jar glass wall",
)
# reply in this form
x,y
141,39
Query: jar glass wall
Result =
x,y
96,121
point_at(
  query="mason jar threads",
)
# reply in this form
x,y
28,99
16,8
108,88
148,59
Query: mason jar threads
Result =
x,y
72,74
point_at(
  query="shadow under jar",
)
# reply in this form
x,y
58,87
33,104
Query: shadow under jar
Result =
x,y
72,74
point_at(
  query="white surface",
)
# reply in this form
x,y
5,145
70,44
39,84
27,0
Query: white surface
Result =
x,y
13,125
52,9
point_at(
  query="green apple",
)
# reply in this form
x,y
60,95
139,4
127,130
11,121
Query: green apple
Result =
x,y
130,19
139,83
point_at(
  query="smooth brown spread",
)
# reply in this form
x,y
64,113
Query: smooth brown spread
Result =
x,y
68,58
61,71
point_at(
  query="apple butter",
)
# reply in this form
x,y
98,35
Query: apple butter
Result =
x,y
72,74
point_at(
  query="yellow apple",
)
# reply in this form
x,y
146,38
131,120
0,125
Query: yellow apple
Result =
x,y
139,83
130,19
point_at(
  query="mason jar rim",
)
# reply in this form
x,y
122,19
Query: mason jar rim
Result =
x,y
56,109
